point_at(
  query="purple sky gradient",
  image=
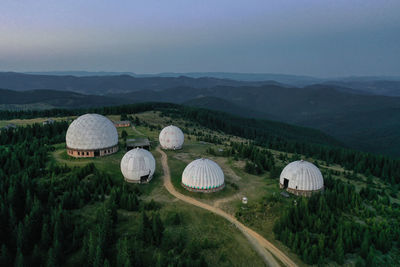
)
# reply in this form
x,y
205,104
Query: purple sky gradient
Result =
x,y
319,37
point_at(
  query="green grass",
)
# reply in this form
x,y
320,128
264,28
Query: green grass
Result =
x,y
24,122
109,164
176,169
227,246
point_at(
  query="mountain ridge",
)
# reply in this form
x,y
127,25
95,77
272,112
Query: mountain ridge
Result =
x,y
101,85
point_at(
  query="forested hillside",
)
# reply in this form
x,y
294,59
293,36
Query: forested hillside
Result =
x,y
48,215
55,99
365,122
379,86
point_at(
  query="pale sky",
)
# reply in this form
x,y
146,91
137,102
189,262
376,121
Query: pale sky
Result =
x,y
308,37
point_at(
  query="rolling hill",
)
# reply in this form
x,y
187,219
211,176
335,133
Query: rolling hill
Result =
x,y
377,87
54,99
122,82
367,122
216,103
99,85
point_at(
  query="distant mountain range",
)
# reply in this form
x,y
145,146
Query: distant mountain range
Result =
x,y
371,84
100,85
294,80
357,118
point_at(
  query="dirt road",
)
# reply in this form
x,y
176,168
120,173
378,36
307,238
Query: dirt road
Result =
x,y
263,247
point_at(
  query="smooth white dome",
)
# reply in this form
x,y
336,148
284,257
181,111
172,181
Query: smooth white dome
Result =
x,y
171,137
302,175
203,174
138,163
91,132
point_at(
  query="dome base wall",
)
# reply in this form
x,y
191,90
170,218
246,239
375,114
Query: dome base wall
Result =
x,y
304,193
91,153
167,148
138,181
212,190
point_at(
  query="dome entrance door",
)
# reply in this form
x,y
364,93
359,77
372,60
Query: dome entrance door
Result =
x,y
96,153
285,183
144,178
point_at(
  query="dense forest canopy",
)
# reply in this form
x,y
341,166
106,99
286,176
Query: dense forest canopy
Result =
x,y
327,226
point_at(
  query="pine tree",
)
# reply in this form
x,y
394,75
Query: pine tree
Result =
x,y
314,254
158,229
123,253
106,263
51,258
92,246
4,256
57,251
365,245
339,251
124,135
36,257
19,259
371,258
143,227
98,260
20,237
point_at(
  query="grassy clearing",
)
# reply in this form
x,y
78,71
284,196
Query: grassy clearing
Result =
x,y
109,164
177,166
25,122
223,244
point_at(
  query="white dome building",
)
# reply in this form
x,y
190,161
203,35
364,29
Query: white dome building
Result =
x,y
301,178
203,175
138,166
171,137
91,135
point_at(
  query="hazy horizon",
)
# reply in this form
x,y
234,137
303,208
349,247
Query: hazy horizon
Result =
x,y
198,72
329,39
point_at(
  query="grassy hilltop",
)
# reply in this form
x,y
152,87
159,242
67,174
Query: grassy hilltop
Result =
x,y
208,238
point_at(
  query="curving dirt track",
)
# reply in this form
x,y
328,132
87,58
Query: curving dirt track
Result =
x,y
263,247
